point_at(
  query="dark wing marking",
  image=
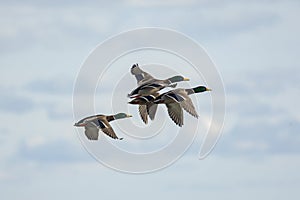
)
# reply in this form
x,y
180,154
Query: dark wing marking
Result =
x,y
99,123
176,113
108,130
154,85
146,88
104,126
176,97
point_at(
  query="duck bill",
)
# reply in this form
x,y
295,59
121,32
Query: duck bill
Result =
x,y
186,79
208,89
129,115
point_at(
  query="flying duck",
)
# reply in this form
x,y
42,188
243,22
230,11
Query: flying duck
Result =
x,y
93,124
177,99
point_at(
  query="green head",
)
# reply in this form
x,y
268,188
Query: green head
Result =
x,y
121,116
175,79
201,89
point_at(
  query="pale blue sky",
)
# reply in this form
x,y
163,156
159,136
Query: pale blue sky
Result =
x,y
255,45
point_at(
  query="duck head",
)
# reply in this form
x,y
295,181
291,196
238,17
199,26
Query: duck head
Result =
x,y
121,115
201,89
175,79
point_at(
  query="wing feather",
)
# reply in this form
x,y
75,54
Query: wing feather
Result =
x,y
103,125
140,75
189,107
176,113
143,113
91,132
151,109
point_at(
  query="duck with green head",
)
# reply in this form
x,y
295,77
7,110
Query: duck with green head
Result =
x,y
148,85
93,124
177,99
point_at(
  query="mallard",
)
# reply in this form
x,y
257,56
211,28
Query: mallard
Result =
x,y
177,99
140,75
148,85
92,124
146,106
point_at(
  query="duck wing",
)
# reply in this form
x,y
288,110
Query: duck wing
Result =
x,y
151,109
105,127
189,107
186,102
176,113
140,75
143,113
91,132
147,89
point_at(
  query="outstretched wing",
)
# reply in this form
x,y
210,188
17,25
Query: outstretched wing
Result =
x,y
188,106
151,109
91,132
105,127
140,75
186,103
143,113
176,113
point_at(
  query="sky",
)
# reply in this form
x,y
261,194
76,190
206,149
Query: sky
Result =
x,y
254,45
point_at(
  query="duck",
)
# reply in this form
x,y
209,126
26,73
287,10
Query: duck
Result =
x,y
148,85
140,75
146,106
94,123
177,99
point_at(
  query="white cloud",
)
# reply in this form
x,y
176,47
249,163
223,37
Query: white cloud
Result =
x,y
35,141
251,145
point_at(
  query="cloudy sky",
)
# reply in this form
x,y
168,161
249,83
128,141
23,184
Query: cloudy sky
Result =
x,y
255,45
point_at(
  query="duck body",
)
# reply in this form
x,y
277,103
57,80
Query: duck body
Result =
x,y
146,106
94,123
147,91
177,99
148,85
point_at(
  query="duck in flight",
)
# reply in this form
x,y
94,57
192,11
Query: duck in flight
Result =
x,y
148,85
93,124
146,106
175,100
147,89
